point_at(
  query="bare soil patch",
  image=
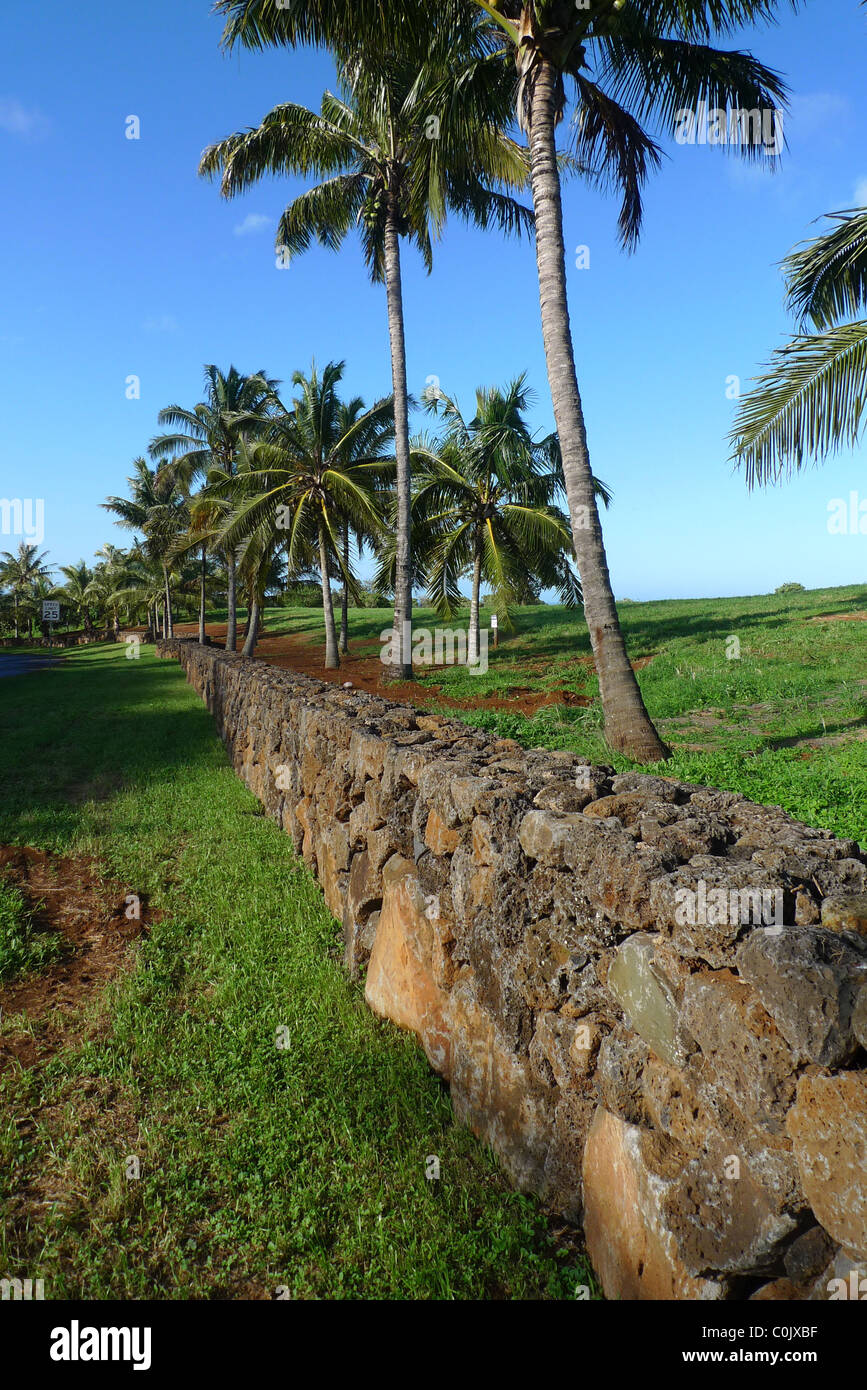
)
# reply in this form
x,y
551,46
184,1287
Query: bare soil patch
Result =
x,y
296,652
840,618
66,896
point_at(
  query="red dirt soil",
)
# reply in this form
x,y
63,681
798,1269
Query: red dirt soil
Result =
x,y
294,652
65,896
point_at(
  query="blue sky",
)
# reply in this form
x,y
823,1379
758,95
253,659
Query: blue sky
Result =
x,y
118,261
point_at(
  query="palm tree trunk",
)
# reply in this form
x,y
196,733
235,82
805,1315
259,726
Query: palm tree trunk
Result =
x,y
627,724
344,598
332,660
202,633
473,640
402,642
232,604
170,625
252,626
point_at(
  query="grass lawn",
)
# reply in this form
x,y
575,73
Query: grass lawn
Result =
x,y
261,1167
780,715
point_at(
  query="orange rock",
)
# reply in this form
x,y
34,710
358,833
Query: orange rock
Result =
x,y
828,1125
632,1251
437,835
400,976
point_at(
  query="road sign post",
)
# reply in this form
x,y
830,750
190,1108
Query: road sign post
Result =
x,y
50,614
495,629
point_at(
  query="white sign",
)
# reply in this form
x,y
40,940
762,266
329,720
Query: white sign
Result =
x,y
50,610
494,622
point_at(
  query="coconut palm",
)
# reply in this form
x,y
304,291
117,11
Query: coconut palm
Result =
x,y
628,62
157,508
76,593
235,408
405,141
487,494
19,571
109,579
143,590
626,65
813,398
316,467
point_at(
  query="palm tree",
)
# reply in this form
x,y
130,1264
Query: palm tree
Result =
x,y
157,508
315,467
143,587
235,409
627,63
77,593
19,571
487,496
814,396
109,578
406,141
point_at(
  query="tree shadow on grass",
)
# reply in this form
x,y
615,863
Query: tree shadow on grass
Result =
x,y
94,732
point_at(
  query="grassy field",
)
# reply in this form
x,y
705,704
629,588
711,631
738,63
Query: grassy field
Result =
x,y
780,714
261,1168
303,1167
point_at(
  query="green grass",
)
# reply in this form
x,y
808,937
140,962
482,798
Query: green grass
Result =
x,y
23,947
259,1167
783,724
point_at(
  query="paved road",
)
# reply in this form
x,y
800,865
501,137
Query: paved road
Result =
x,y
20,665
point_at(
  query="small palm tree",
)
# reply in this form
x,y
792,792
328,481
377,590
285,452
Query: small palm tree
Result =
x,y
77,593
405,141
236,408
814,396
486,498
315,468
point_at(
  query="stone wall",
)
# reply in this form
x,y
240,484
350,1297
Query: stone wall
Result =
x,y
650,998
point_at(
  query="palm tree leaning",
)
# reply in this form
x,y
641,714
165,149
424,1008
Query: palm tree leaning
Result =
x,y
315,468
486,493
235,408
813,398
408,139
627,62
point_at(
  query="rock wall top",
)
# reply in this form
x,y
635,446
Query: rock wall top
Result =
x,y
635,986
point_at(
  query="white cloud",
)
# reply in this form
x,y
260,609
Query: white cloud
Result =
x,y
253,222
17,119
161,323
